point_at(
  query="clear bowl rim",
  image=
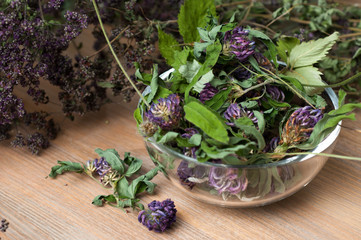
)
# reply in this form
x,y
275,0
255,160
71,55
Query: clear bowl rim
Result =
x,y
326,143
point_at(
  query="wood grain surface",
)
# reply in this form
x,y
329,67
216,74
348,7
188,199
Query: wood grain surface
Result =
x,y
43,208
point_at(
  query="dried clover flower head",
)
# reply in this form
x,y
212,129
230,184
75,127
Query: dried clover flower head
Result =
x,y
300,125
159,216
236,43
207,92
234,112
148,128
166,113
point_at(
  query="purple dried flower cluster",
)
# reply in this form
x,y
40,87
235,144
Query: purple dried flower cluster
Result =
x,y
275,93
227,180
160,215
234,112
4,225
300,125
76,22
55,4
207,92
33,48
167,113
236,42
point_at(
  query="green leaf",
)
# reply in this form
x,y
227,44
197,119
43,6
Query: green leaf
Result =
x,y
167,46
113,158
100,199
285,46
272,51
308,75
252,131
105,84
357,53
196,139
153,84
137,116
213,52
192,15
133,167
260,121
181,58
218,100
206,78
207,120
309,53
65,166
189,70
122,189
220,153
169,136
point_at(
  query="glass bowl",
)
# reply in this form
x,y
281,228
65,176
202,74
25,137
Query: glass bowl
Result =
x,y
242,185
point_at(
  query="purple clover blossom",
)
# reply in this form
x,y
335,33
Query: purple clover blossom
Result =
x,y
272,145
160,215
275,93
207,92
166,113
102,166
236,42
227,180
234,112
300,125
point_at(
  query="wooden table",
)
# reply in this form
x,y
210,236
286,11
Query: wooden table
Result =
x,y
43,208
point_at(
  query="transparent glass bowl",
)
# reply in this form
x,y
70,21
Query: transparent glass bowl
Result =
x,y
242,185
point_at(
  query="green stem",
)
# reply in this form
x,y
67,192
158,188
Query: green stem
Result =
x,y
350,79
289,86
91,176
115,55
319,154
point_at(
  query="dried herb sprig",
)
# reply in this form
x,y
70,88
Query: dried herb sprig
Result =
x,y
120,176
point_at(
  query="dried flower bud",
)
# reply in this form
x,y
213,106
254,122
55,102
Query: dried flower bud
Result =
x,y
300,125
234,112
148,128
275,93
207,92
90,166
160,215
236,42
166,113
102,166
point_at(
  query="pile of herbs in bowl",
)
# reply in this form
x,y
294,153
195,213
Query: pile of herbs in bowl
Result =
x,y
239,120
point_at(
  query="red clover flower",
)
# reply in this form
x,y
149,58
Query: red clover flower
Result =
x,y
300,125
166,113
234,112
160,215
207,92
236,42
